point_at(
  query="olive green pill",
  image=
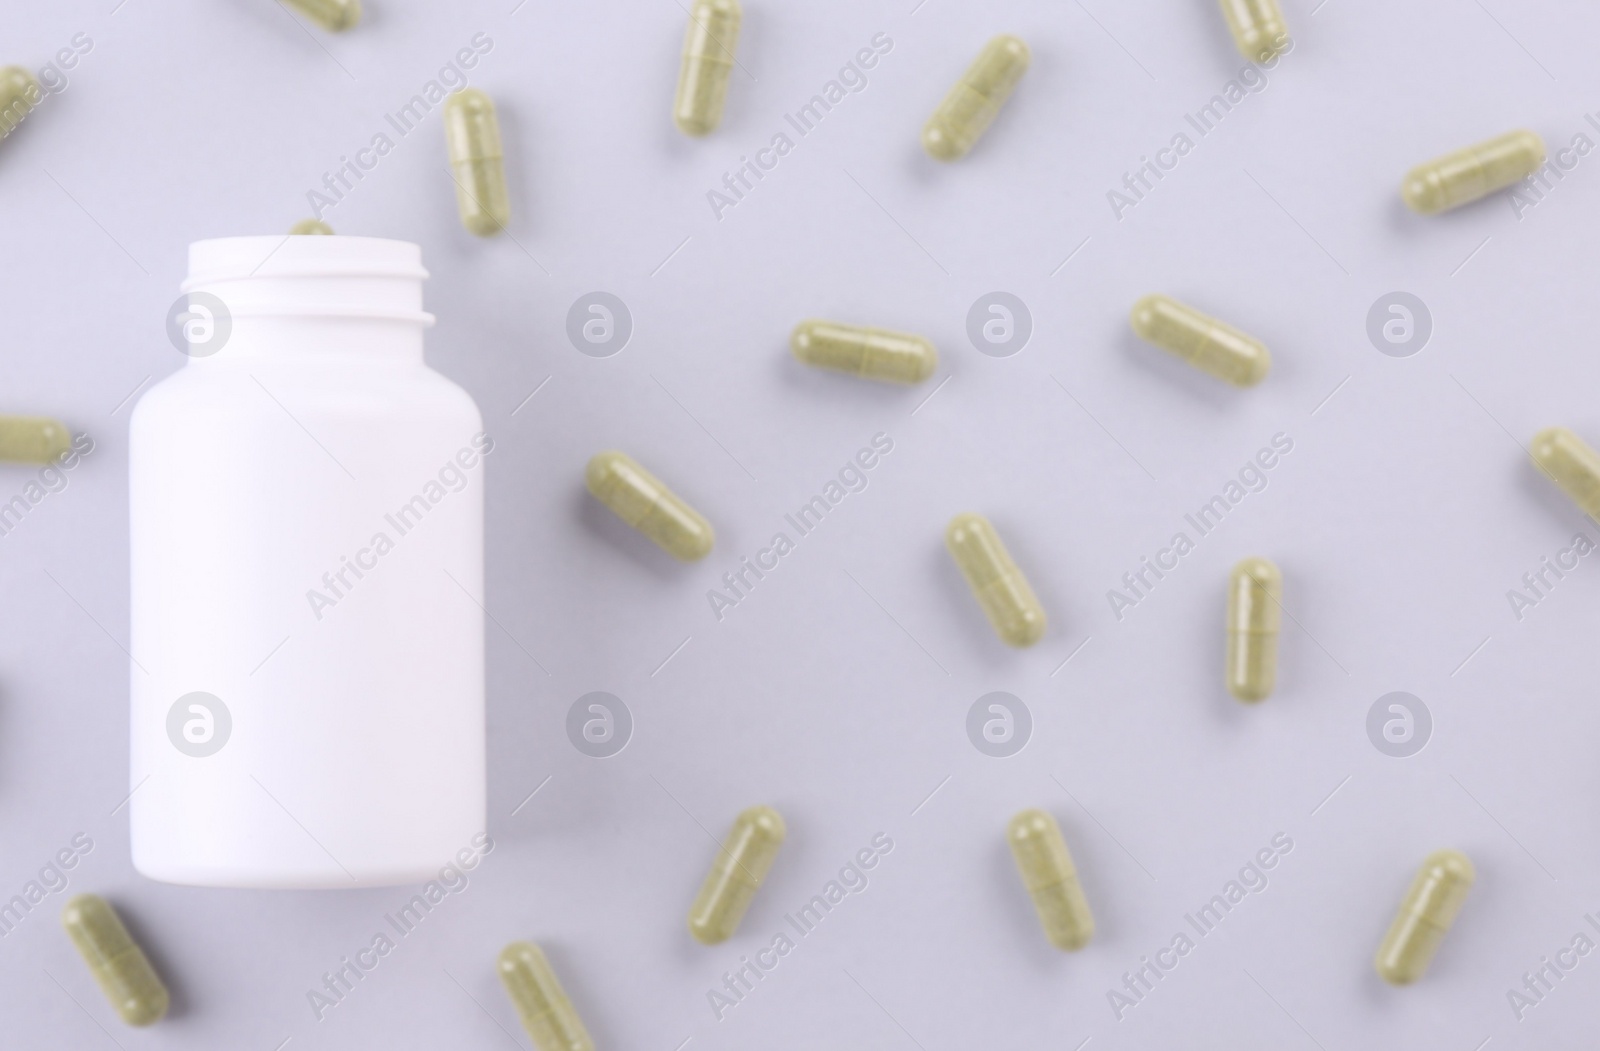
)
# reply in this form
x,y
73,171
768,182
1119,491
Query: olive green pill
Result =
x,y
708,50
1258,27
1051,878
311,226
1204,342
1255,616
547,1013
1573,465
472,132
874,353
333,15
119,965
975,101
996,582
640,499
736,874
19,93
1429,908
33,439
1464,176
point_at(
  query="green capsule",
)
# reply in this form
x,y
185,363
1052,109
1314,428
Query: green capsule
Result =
x,y
19,93
1466,175
708,49
333,15
1430,907
1572,465
1203,342
996,582
1051,878
311,226
1258,27
1255,616
547,1014
120,966
975,101
736,874
472,132
874,353
638,498
32,439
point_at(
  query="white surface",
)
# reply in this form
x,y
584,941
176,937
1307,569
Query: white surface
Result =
x,y
1402,517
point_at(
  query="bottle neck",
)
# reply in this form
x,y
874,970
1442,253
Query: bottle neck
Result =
x,y
282,338
328,298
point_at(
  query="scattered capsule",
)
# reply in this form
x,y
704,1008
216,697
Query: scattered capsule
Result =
x,y
1464,176
333,15
119,965
1204,342
1258,27
1255,616
1051,879
19,93
708,49
974,102
1572,465
547,1014
996,582
638,498
472,132
311,226
32,439
1430,907
874,353
736,874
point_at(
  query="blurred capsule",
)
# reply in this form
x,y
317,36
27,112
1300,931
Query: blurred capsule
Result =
x,y
311,226
996,582
708,49
1258,27
874,353
1477,171
32,439
638,498
19,93
1052,880
1204,342
1429,908
333,15
1255,616
547,1014
477,162
1572,465
974,102
736,874
119,965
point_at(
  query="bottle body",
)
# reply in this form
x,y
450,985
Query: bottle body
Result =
x,y
306,519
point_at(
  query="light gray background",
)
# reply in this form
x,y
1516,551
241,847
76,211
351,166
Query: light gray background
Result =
x,y
838,692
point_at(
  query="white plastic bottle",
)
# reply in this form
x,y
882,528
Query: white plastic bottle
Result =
x,y
306,505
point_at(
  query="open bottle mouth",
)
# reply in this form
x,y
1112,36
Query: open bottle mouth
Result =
x,y
284,275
